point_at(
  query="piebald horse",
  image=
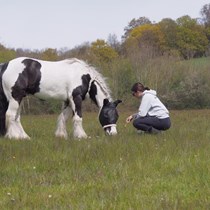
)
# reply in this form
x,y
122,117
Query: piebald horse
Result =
x,y
70,81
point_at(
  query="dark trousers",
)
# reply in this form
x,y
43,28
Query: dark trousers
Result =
x,y
148,123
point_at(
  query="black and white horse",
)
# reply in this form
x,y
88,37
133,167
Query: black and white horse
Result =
x,y
69,80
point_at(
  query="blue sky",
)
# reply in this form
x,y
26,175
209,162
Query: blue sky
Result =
x,y
66,23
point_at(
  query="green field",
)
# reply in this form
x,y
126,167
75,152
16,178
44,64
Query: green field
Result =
x,y
128,171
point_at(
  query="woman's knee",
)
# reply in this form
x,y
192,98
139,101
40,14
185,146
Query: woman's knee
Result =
x,y
168,124
135,123
138,124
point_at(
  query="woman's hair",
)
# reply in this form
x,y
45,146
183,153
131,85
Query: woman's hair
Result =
x,y
139,87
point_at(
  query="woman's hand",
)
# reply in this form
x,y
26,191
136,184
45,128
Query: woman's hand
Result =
x,y
129,119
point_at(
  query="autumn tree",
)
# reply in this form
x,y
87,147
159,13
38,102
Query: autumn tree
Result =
x,y
146,38
133,24
101,52
191,37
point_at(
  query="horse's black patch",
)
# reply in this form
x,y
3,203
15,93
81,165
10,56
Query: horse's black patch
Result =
x,y
109,113
28,81
3,102
93,92
79,93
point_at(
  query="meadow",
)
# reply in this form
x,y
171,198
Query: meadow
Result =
x,y
127,171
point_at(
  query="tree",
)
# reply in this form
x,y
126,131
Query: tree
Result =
x,y
133,24
205,13
80,52
102,52
191,38
186,21
169,29
147,38
113,42
49,54
6,54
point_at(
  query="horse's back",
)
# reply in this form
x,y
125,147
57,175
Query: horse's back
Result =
x,y
55,79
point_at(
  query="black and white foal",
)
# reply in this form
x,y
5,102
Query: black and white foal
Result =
x,y
69,80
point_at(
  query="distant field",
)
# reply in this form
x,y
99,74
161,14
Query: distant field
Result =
x,y
128,171
199,62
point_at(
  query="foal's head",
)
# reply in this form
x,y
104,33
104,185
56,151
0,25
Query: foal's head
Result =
x,y
108,116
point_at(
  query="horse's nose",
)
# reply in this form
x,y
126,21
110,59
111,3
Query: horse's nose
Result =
x,y
112,131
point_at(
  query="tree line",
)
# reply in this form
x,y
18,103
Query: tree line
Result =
x,y
156,54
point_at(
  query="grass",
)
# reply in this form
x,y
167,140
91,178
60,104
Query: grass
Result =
x,y
127,171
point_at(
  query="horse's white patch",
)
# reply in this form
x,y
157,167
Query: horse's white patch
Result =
x,y
14,127
78,129
61,123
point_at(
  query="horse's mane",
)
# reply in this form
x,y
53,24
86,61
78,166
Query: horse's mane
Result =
x,y
95,75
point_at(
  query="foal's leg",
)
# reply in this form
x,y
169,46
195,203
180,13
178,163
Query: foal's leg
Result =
x,y
76,104
14,127
61,123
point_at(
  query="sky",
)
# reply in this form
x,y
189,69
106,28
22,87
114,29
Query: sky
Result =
x,y
60,24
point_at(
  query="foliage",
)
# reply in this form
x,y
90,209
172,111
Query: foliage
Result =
x,y
134,23
128,171
192,39
169,30
101,52
49,54
205,13
145,36
6,54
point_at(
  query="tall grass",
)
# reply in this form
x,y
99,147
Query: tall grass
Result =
x,y
127,171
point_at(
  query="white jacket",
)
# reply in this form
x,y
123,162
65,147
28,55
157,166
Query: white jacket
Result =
x,y
152,106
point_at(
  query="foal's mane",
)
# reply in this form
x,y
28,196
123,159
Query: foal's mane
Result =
x,y
95,76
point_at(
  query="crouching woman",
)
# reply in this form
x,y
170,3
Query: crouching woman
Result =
x,y
153,116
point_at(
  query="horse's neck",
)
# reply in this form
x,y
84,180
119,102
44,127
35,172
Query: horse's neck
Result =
x,y
102,93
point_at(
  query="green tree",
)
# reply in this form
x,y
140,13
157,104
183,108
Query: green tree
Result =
x,y
49,54
6,54
101,52
169,29
191,38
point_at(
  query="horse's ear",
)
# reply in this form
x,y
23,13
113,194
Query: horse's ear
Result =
x,y
106,101
117,102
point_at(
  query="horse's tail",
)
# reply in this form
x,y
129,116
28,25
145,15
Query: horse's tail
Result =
x,y
3,102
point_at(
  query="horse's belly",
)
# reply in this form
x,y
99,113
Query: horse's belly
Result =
x,y
55,91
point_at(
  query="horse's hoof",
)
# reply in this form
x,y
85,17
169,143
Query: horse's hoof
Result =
x,y
20,137
61,136
81,137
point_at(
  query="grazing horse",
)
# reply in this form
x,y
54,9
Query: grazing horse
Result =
x,y
69,80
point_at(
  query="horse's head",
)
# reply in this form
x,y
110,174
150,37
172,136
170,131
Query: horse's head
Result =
x,y
108,116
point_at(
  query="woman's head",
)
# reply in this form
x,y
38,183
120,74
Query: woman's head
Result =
x,y
138,89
